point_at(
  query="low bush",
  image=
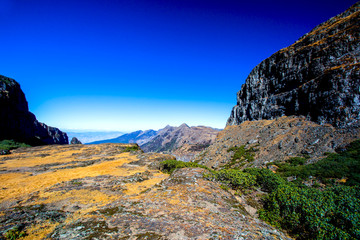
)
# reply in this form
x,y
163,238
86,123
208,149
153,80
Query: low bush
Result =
x,y
11,144
131,149
235,178
343,165
309,213
170,165
241,156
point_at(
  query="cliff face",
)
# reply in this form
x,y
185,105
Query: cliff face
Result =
x,y
316,77
18,123
184,142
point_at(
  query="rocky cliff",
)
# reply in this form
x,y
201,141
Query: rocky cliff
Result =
x,y
316,77
184,142
18,123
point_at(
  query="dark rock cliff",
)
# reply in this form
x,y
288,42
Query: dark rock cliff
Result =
x,y
18,123
316,77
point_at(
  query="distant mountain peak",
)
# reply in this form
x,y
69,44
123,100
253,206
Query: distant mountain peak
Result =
x,y
184,125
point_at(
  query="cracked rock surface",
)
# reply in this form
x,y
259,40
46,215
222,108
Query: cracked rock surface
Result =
x,y
108,192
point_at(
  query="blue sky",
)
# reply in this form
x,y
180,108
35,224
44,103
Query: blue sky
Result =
x,y
139,64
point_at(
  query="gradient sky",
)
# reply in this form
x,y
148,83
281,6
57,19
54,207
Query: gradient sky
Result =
x,y
139,64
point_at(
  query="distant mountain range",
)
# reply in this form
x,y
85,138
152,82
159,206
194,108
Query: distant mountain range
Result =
x,y
139,137
184,142
87,137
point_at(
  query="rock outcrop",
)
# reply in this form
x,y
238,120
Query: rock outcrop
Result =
x,y
184,142
18,123
74,140
106,192
316,77
275,140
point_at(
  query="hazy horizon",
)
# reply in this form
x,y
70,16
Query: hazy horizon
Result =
x,y
144,64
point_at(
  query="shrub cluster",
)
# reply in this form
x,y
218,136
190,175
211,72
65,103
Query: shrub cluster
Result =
x,y
132,148
241,156
343,165
170,165
11,144
235,178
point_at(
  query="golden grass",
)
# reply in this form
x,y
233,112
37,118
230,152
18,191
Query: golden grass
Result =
x,y
82,196
19,186
138,187
40,231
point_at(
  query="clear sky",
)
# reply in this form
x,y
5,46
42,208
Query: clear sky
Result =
x,y
139,64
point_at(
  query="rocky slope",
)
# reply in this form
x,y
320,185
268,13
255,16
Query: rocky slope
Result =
x,y
184,142
275,140
316,77
113,191
18,123
140,137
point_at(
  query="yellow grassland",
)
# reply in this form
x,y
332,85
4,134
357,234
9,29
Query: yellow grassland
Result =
x,y
40,231
19,184
138,187
19,180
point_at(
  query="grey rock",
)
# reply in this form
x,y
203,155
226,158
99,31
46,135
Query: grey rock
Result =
x,y
74,140
316,77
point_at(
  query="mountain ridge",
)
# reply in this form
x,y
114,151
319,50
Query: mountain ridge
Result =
x,y
140,137
183,142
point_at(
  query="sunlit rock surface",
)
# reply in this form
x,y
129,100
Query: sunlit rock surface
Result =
x,y
276,140
111,191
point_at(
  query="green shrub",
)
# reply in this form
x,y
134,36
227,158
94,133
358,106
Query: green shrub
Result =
x,y
235,178
170,165
241,156
11,144
296,161
335,166
309,213
266,179
132,148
